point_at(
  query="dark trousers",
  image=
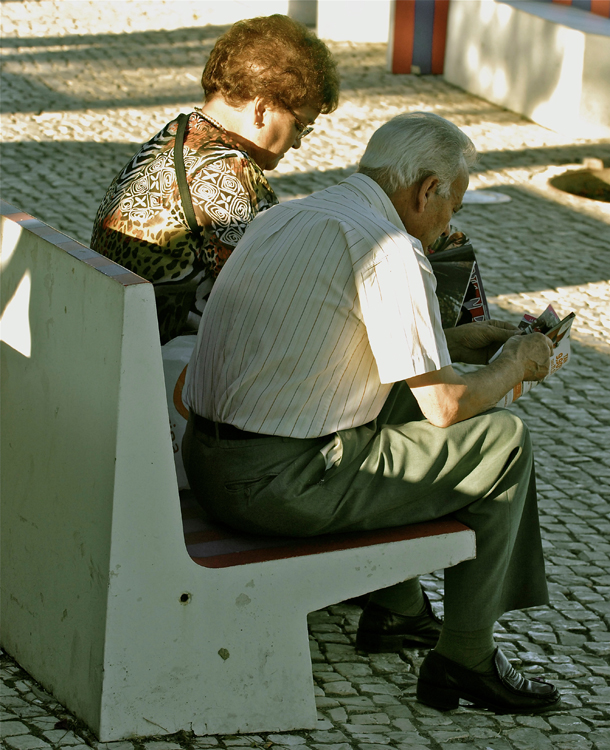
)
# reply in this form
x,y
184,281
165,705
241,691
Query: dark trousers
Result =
x,y
395,470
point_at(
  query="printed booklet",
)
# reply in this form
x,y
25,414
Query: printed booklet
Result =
x,y
462,300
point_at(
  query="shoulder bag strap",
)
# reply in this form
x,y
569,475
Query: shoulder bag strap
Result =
x,y
185,195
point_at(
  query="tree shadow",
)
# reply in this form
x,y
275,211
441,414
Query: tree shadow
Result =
x,y
516,242
88,71
82,58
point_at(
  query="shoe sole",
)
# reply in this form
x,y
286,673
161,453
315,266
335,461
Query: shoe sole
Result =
x,y
447,699
377,644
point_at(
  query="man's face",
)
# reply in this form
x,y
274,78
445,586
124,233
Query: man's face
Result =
x,y
425,214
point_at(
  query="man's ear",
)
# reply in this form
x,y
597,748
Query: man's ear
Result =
x,y
426,190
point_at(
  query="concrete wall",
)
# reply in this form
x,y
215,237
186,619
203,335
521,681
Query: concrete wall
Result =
x,y
354,20
548,62
224,12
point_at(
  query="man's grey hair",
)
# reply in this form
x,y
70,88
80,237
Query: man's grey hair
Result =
x,y
416,145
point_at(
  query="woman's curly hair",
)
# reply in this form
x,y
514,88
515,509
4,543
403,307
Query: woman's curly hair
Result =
x,y
275,58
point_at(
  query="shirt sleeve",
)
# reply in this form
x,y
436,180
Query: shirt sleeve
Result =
x,y
396,290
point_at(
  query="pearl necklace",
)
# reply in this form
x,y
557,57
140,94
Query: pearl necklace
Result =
x,y
210,119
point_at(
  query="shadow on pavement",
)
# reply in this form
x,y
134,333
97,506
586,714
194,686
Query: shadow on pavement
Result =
x,y
515,241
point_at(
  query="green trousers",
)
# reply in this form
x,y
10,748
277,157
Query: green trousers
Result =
x,y
395,470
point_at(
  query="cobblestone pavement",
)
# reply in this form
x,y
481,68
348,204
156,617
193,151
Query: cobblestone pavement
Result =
x,y
84,82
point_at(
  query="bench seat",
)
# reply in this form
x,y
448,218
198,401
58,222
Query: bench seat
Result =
x,y
214,545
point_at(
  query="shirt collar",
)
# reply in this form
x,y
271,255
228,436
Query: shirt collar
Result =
x,y
370,192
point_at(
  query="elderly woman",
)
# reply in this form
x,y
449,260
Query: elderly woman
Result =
x,y
176,211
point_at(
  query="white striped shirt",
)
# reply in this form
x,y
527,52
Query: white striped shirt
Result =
x,y
323,305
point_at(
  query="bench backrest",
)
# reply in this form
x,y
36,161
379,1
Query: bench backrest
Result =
x,y
87,465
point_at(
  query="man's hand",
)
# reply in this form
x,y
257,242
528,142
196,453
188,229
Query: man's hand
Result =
x,y
533,351
476,343
445,397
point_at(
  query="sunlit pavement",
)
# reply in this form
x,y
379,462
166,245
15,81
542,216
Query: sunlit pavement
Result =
x,y
85,82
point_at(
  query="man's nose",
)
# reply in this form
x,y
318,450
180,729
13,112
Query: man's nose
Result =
x,y
297,142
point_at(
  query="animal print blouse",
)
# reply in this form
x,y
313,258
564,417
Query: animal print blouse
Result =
x,y
141,223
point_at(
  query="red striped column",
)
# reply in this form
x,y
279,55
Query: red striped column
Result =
x,y
598,7
418,34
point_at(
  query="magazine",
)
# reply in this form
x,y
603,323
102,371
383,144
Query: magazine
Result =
x,y
462,299
558,331
459,287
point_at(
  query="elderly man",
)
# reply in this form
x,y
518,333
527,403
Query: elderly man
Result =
x,y
323,399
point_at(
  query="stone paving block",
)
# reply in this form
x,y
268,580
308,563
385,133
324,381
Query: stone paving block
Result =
x,y
385,700
337,715
483,733
437,721
352,670
328,637
326,677
13,728
528,738
600,735
569,724
26,742
325,703
328,737
573,701
323,627
43,722
380,687
289,740
64,738
369,719
356,703
339,688
24,710
572,742
389,664
449,736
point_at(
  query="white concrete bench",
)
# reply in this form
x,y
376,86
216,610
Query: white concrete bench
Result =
x,y
101,601
548,62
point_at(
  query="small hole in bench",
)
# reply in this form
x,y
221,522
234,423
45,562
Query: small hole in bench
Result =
x,y
185,598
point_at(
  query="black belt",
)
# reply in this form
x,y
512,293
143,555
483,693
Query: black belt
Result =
x,y
224,431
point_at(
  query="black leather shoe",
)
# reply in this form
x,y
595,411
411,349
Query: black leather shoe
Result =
x,y
443,682
380,629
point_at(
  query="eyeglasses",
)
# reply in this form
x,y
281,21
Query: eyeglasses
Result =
x,y
302,129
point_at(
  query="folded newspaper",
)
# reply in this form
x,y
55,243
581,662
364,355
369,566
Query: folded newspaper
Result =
x,y
558,331
459,288
462,299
